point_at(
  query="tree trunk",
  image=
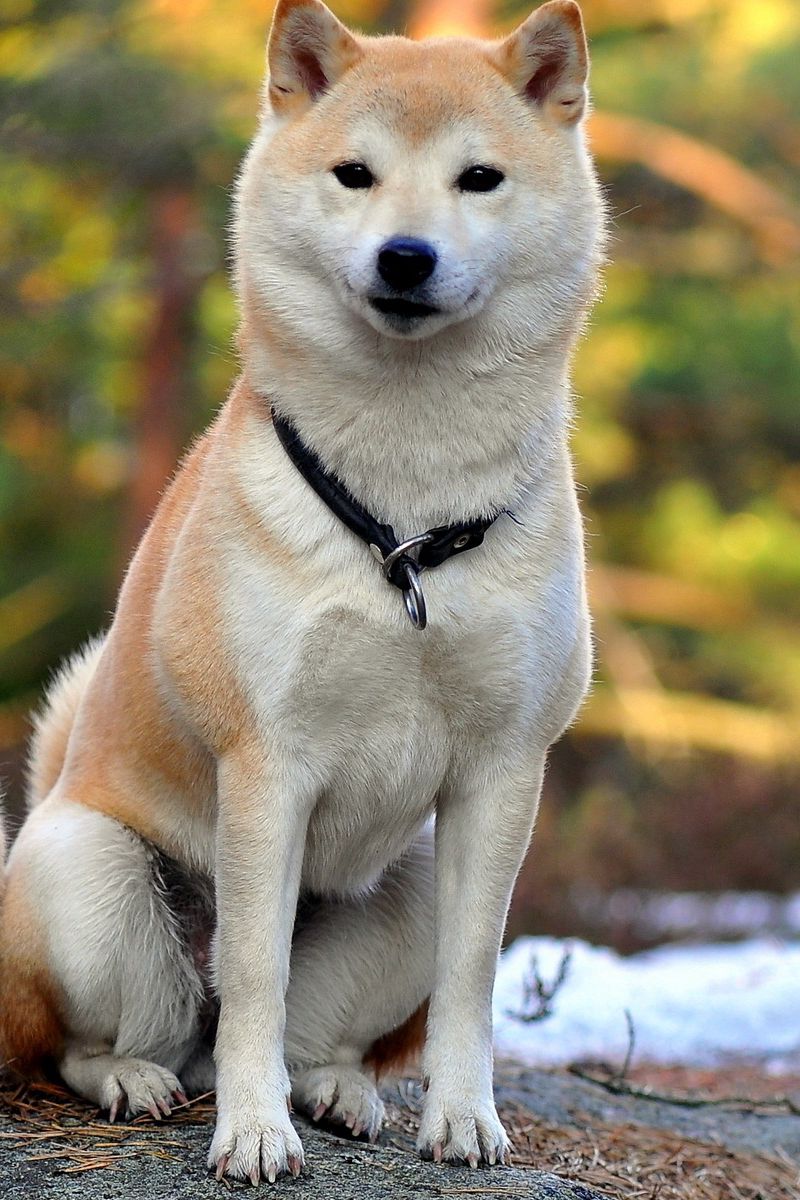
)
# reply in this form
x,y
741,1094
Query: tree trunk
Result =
x,y
160,423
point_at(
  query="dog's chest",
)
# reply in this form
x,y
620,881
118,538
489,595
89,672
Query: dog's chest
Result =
x,y
385,716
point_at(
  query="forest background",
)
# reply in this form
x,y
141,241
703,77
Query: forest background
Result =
x,y
122,123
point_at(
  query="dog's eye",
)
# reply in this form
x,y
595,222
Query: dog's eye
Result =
x,y
479,179
354,175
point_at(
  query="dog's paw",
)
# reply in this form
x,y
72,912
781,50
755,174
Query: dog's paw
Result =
x,y
137,1086
341,1094
255,1149
461,1129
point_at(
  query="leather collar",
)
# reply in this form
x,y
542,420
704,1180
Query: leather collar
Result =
x,y
401,569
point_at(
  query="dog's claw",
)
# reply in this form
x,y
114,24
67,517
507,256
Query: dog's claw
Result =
x,y
295,1166
181,1096
357,1129
154,1112
437,1152
319,1111
164,1106
472,1159
255,1175
272,1173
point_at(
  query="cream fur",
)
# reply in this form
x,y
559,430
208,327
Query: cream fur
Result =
x,y
261,710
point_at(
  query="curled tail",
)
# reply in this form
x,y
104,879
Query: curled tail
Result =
x,y
52,724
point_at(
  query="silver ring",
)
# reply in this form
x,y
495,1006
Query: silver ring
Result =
x,y
409,544
414,598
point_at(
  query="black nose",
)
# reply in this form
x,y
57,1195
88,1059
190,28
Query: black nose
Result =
x,y
404,263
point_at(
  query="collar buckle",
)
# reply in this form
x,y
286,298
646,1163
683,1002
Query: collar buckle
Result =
x,y
413,595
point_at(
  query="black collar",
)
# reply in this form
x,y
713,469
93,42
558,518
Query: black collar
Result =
x,y
433,547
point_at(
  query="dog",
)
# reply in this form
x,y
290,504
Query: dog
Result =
x,y
277,811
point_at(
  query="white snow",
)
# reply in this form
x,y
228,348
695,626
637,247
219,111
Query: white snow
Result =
x,y
695,1005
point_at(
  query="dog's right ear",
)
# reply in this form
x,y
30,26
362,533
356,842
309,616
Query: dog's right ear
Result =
x,y
309,49
547,62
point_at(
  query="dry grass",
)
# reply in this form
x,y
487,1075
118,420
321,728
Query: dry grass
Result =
x,y
44,1122
50,1124
632,1162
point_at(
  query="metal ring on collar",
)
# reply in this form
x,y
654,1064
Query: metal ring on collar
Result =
x,y
414,598
403,548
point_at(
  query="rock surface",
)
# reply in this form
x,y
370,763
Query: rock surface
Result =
x,y
166,1162
335,1170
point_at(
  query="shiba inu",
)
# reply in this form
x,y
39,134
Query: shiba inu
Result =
x,y
278,809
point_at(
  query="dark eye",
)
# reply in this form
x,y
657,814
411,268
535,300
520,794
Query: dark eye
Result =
x,y
354,175
479,179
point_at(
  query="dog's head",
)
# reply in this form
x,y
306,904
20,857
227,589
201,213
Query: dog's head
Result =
x,y
411,186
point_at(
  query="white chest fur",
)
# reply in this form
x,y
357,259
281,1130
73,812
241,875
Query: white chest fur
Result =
x,y
366,712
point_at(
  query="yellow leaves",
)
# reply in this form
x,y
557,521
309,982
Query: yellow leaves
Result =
x,y
606,365
223,40
681,721
22,52
633,704
612,356
81,259
603,451
124,316
102,466
15,10
747,26
28,50
743,536
360,13
30,608
684,530
86,247
679,11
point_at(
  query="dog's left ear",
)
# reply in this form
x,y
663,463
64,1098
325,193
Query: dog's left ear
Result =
x,y
309,49
547,62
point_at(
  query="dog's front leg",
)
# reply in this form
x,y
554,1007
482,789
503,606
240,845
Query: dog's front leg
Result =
x,y
483,825
260,843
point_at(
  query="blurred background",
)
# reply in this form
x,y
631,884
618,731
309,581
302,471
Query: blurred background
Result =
x,y
672,807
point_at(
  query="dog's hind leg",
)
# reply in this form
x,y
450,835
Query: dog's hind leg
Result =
x,y
122,979
360,969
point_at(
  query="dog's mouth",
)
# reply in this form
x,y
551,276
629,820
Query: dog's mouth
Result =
x,y
408,309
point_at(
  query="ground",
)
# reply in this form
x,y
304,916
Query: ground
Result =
x,y
574,1140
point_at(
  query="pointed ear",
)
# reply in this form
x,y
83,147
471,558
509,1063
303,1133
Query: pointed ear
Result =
x,y
547,62
309,49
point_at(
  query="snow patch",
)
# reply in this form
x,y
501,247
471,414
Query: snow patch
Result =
x,y
694,1005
